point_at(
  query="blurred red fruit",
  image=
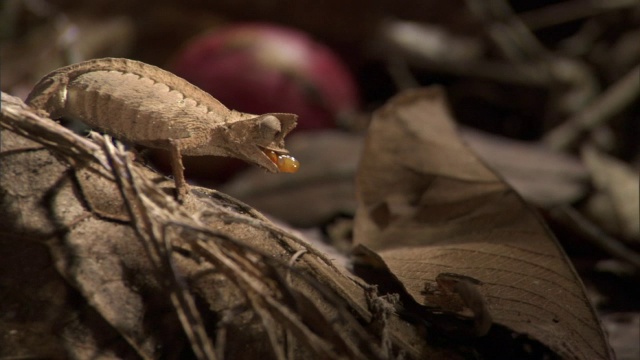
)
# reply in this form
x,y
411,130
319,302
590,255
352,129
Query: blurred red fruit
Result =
x,y
259,68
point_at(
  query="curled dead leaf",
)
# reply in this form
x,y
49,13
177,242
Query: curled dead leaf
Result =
x,y
428,207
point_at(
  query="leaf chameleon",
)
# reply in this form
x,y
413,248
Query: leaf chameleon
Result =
x,y
146,105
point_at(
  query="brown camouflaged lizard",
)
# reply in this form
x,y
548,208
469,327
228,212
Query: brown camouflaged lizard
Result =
x,y
146,105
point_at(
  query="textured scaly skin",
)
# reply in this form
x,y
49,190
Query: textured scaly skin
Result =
x,y
146,105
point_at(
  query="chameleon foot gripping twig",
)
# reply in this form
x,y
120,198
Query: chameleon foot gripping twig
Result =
x,y
146,105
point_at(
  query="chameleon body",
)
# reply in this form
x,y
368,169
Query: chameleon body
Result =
x,y
146,105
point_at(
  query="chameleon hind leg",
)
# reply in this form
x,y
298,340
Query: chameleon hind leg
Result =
x,y
182,188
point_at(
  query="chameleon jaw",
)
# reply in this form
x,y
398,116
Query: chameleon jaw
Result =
x,y
285,163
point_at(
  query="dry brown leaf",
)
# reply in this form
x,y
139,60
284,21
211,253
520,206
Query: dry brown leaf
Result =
x,y
433,212
543,177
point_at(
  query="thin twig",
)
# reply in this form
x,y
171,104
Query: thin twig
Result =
x,y
229,216
613,101
508,32
593,233
264,305
567,11
400,73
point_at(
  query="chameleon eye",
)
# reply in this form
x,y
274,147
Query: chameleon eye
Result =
x,y
285,163
270,123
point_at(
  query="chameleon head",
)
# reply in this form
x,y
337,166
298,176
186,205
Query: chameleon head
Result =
x,y
263,141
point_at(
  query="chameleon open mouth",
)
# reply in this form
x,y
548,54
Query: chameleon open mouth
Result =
x,y
285,163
